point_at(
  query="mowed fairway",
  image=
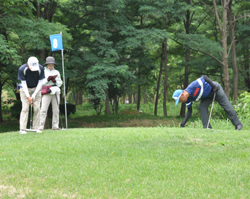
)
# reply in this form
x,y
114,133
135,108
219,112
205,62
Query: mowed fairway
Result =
x,y
153,163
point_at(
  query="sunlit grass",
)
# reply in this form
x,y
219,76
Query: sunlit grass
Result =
x,y
158,162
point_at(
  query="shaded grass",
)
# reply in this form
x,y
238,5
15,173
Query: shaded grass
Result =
x,y
128,116
156,162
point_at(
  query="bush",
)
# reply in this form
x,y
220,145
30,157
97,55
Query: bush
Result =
x,y
17,107
243,106
218,112
15,110
71,108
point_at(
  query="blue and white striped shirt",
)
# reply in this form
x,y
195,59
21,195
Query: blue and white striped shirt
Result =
x,y
197,90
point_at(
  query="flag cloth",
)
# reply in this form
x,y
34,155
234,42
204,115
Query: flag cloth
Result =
x,y
56,42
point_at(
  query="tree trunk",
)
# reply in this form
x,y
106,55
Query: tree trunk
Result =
x,y
186,81
233,53
116,104
130,98
107,109
159,80
247,76
223,31
134,98
38,10
166,79
78,97
144,96
139,89
67,86
1,113
187,24
41,51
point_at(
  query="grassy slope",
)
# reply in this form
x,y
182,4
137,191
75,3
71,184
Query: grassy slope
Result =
x,y
126,163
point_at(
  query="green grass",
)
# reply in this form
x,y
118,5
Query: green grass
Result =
x,y
158,162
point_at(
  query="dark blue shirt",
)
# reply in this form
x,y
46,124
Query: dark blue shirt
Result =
x,y
197,90
31,77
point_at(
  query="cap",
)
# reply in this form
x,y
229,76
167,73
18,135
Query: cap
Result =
x,y
33,64
50,60
177,95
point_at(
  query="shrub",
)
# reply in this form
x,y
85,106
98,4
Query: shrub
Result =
x,y
15,110
243,106
71,108
17,107
218,112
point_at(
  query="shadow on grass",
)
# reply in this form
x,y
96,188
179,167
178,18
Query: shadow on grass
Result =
x,y
104,121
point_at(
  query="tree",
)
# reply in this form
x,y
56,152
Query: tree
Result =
x,y
22,35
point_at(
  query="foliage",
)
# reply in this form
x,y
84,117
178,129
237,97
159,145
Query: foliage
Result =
x,y
97,103
16,108
100,77
243,106
218,112
116,45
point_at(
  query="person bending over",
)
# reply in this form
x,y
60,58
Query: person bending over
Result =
x,y
31,76
204,89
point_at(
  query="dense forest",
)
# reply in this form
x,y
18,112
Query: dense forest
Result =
x,y
129,50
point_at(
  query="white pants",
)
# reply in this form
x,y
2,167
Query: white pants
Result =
x,y
46,99
25,109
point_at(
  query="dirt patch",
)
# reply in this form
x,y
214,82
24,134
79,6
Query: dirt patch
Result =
x,y
11,192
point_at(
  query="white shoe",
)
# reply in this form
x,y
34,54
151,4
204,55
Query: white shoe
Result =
x,y
38,131
22,132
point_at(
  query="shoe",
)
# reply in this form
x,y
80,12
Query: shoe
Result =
x,y
239,126
39,131
22,132
56,129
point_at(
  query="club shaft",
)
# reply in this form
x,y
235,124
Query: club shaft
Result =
x,y
211,111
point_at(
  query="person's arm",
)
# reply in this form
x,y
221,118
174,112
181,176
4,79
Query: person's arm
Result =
x,y
188,115
25,88
58,80
38,88
26,91
215,88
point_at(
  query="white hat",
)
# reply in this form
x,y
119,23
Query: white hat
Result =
x,y
33,63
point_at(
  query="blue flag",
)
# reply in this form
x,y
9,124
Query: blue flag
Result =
x,y
56,42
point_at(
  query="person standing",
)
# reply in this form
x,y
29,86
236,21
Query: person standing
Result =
x,y
31,76
53,79
204,89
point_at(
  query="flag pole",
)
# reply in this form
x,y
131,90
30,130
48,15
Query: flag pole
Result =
x,y
64,89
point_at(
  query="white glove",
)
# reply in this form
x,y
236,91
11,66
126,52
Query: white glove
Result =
x,y
33,96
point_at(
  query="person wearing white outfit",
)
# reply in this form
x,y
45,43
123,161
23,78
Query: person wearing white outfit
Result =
x,y
53,79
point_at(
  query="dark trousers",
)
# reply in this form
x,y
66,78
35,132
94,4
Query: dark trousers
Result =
x,y
222,99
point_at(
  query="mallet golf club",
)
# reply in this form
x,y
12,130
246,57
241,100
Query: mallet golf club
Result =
x,y
211,111
31,118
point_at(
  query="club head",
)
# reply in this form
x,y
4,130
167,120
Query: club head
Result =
x,y
34,130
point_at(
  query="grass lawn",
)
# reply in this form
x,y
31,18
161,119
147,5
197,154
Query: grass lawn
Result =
x,y
159,162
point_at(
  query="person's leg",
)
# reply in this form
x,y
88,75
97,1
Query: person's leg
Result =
x,y
36,106
46,99
222,99
24,112
203,109
55,111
